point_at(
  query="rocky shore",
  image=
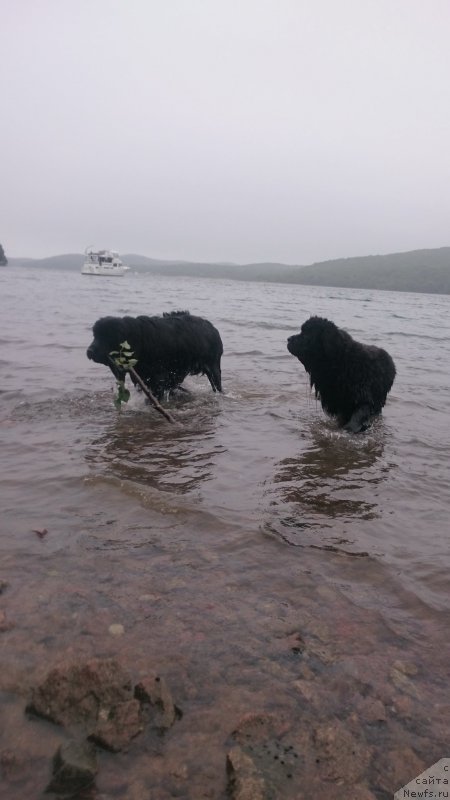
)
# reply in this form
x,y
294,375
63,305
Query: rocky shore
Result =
x,y
175,676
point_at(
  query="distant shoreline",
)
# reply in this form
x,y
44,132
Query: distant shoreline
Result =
x,y
421,271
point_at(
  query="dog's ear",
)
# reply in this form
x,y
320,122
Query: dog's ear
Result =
x,y
332,340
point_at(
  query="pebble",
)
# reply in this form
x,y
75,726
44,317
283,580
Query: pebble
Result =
x,y
116,629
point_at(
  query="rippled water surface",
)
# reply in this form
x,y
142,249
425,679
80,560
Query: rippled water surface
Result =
x,y
253,517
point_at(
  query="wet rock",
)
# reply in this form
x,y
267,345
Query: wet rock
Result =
x,y
116,629
97,695
340,756
294,642
406,667
371,710
153,691
257,727
245,782
263,763
77,693
403,706
118,726
74,767
401,674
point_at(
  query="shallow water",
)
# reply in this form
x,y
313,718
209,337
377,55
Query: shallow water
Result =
x,y
214,540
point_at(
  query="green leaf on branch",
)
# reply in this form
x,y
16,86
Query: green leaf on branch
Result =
x,y
122,358
122,396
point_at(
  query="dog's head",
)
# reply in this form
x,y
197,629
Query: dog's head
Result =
x,y
319,341
109,333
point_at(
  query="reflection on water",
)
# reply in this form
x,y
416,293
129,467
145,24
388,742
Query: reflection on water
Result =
x,y
145,451
336,477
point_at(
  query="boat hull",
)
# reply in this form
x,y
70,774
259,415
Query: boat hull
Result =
x,y
111,272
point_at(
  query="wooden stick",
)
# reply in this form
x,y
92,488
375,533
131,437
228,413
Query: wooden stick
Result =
x,y
147,391
151,396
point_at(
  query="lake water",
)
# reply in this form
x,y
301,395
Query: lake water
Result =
x,y
215,541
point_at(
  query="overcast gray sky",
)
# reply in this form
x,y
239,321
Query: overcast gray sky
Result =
x,y
225,130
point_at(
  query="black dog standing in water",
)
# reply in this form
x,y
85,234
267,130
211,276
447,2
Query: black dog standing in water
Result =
x,y
350,379
166,348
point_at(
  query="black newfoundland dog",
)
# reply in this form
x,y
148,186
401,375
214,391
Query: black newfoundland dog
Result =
x,y
350,379
166,348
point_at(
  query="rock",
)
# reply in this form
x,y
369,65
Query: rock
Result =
x,y
153,691
116,629
294,642
339,756
407,667
400,676
115,730
3,585
403,705
371,710
262,764
257,727
74,767
97,696
77,693
244,780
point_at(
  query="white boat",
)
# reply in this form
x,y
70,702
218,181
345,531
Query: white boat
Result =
x,y
102,262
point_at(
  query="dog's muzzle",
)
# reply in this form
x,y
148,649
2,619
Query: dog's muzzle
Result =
x,y
291,344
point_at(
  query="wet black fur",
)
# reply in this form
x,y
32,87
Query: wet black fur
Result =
x,y
350,379
167,348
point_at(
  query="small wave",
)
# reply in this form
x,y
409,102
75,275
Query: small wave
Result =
x,y
408,335
174,510
244,353
13,340
60,346
69,405
282,326
341,549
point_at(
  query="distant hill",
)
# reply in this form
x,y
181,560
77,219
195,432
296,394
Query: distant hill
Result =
x,y
415,271
66,261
